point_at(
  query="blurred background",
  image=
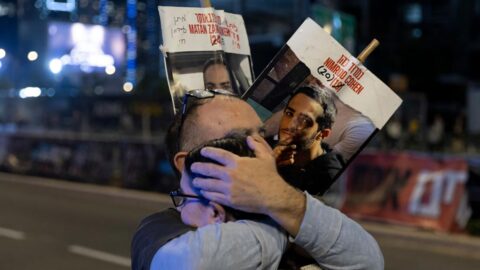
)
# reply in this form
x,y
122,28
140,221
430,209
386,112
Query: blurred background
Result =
x,y
84,99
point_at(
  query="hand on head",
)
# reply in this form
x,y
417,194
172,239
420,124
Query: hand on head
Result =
x,y
250,184
239,182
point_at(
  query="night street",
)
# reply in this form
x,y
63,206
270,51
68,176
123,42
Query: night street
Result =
x,y
371,105
51,224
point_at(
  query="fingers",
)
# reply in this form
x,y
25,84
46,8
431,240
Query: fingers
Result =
x,y
285,154
210,185
286,162
284,150
278,150
213,189
215,197
286,159
259,146
211,170
287,141
221,156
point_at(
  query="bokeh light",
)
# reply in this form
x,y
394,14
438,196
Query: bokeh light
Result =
x,y
127,87
32,55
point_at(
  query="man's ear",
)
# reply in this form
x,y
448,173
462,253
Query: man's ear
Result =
x,y
179,160
322,134
217,213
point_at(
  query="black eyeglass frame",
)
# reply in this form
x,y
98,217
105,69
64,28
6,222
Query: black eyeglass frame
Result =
x,y
179,193
203,94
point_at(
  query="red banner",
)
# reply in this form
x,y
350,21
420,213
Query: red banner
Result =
x,y
406,188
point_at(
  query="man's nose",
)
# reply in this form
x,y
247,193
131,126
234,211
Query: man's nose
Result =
x,y
294,124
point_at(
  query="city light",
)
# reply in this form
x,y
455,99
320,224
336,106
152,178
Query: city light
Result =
x,y
127,87
2,53
50,92
32,55
110,70
64,5
28,92
328,28
87,48
55,66
98,90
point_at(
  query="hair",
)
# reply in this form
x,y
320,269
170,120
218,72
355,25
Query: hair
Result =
x,y
187,138
173,138
235,143
213,61
325,98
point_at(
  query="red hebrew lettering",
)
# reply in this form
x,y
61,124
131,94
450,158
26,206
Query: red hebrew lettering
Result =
x,y
353,84
215,39
197,29
343,61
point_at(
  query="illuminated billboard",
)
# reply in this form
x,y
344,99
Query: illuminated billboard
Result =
x,y
74,47
63,5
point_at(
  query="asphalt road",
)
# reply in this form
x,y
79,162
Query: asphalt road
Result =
x,y
47,224
50,224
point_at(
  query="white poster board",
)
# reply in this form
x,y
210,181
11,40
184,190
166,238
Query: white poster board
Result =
x,y
311,56
337,69
204,48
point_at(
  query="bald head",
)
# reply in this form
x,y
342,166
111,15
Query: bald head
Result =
x,y
217,118
210,119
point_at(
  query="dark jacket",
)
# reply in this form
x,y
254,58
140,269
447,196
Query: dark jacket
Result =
x,y
153,232
318,175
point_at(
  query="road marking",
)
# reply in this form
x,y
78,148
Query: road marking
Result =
x,y
85,187
9,233
100,255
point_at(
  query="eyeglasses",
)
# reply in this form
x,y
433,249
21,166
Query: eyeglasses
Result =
x,y
199,94
203,94
179,198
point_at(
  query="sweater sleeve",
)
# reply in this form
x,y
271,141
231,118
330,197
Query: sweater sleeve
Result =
x,y
243,244
336,241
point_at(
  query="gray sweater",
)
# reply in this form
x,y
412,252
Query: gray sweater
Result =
x,y
332,239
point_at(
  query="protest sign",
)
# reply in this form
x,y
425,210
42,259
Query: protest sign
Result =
x,y
408,188
204,48
312,56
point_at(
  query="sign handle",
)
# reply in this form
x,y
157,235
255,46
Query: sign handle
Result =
x,y
205,3
368,50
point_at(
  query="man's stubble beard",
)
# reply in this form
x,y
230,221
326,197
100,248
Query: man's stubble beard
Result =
x,y
304,144
301,144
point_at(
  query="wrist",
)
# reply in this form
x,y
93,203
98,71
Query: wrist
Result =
x,y
287,208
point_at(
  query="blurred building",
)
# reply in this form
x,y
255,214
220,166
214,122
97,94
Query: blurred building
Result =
x,y
77,74
80,93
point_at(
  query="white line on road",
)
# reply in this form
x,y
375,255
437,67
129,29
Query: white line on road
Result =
x,y
85,187
99,255
9,233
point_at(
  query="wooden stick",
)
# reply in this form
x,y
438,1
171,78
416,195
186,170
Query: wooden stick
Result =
x,y
368,50
205,3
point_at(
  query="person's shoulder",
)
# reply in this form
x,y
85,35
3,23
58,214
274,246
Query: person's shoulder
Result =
x,y
169,212
330,158
169,218
153,232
